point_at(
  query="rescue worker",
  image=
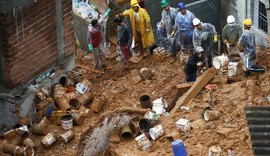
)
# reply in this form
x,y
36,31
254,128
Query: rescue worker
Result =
x,y
230,36
247,48
205,35
163,38
197,60
183,30
124,38
141,27
168,15
94,38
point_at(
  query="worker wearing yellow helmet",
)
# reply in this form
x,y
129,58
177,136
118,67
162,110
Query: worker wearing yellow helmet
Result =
x,y
141,27
247,48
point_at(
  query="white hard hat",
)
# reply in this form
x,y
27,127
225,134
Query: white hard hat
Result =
x,y
230,19
196,21
199,49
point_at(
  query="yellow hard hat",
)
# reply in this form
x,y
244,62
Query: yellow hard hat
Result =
x,y
248,22
133,2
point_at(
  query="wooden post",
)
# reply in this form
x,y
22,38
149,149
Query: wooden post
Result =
x,y
195,89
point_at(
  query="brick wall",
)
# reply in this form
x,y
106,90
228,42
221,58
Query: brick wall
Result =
x,y
29,40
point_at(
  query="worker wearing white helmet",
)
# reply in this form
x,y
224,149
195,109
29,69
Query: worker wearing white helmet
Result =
x,y
194,62
204,35
230,36
247,48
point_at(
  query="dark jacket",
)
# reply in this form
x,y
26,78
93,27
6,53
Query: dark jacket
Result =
x,y
191,66
124,36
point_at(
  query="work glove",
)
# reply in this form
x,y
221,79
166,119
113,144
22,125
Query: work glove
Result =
x,y
90,48
108,12
215,38
199,63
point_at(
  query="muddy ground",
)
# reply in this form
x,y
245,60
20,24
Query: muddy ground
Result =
x,y
121,88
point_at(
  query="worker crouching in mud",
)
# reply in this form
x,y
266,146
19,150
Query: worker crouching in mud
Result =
x,y
141,27
247,48
197,60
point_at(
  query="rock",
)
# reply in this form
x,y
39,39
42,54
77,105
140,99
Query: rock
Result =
x,y
197,123
146,73
210,126
137,79
224,131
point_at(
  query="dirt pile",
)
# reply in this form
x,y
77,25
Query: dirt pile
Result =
x,y
122,86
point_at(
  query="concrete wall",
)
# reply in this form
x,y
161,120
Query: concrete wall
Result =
x,y
30,39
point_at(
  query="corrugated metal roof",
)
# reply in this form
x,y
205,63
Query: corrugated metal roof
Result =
x,y
259,127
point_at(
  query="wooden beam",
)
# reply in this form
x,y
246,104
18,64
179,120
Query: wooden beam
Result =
x,y
195,89
184,85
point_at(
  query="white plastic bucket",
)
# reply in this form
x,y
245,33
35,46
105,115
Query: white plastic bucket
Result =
x,y
143,142
67,122
211,115
156,132
232,69
159,106
220,61
183,125
214,151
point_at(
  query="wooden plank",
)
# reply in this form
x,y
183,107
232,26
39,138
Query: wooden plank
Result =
x,y
136,59
184,85
195,89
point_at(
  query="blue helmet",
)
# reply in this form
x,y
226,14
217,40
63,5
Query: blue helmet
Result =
x,y
181,5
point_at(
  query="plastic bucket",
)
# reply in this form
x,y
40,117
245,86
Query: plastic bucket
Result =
x,y
156,132
67,122
145,125
143,142
56,116
39,129
87,98
74,104
145,101
62,103
67,136
29,143
178,148
14,149
158,108
78,119
59,91
48,140
232,69
126,133
183,125
64,81
220,61
211,115
97,106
